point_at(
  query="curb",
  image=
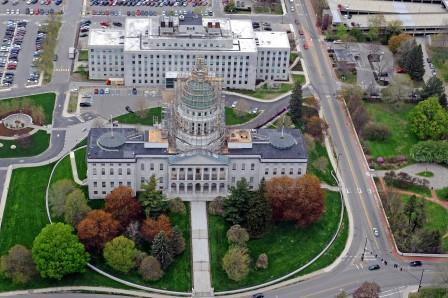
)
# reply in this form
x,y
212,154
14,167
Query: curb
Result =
x,y
5,193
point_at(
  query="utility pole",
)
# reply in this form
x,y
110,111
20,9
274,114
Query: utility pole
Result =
x,y
420,282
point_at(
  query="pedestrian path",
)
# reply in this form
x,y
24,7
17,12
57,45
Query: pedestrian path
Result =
x,y
75,169
201,256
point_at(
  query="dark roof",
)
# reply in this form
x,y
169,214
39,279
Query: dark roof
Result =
x,y
134,145
262,146
191,19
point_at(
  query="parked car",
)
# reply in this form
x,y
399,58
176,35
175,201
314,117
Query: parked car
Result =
x,y
234,104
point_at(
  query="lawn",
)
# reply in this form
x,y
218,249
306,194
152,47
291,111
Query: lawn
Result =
x,y
349,78
442,193
421,190
73,102
430,293
401,139
83,55
81,163
275,9
287,247
39,143
234,118
313,168
45,100
24,217
292,57
299,78
436,217
147,119
426,174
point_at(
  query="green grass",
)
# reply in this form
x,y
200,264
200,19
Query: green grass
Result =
x,y
299,78
45,100
442,193
276,9
178,275
436,217
430,293
83,55
233,118
24,217
426,174
317,152
401,139
287,247
73,102
39,143
292,57
147,119
417,189
349,78
81,163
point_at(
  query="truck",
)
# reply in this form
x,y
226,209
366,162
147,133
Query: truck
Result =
x,y
115,82
71,53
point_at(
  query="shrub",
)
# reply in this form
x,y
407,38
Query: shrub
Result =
x,y
150,269
216,207
177,206
236,263
262,261
133,232
177,241
57,196
120,254
141,255
404,180
430,151
309,141
376,132
237,235
151,227
18,265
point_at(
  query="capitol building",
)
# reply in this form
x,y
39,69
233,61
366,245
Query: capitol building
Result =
x,y
191,152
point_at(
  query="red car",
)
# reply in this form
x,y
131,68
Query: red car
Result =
x,y
306,46
104,23
400,70
95,91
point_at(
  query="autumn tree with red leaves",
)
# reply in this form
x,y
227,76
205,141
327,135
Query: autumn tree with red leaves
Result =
x,y
300,200
123,206
96,229
151,227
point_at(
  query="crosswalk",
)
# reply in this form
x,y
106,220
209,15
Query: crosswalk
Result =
x,y
62,69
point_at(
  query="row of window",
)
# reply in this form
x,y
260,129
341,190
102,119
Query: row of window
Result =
x,y
111,171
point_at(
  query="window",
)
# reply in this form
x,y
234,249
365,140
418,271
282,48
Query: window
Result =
x,y
128,171
128,183
274,171
94,171
161,166
103,184
299,171
103,171
120,171
252,166
95,184
266,171
291,171
283,171
234,166
142,167
251,180
151,166
233,179
111,171
112,184
243,166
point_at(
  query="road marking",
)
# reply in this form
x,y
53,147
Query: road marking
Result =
x,y
359,190
62,69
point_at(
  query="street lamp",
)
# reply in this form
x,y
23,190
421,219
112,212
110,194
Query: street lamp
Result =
x,y
420,282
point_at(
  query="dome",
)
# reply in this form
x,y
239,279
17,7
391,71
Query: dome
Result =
x,y
198,94
281,140
111,140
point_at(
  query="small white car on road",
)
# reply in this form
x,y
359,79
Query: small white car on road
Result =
x,y
375,232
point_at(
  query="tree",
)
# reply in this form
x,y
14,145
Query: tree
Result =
x,y
262,261
295,104
120,254
429,120
237,235
76,207
375,23
18,265
415,66
152,200
96,229
236,204
316,127
57,196
393,28
397,92
409,208
177,206
150,269
396,40
259,212
376,131
299,200
133,232
177,241
230,7
353,99
123,206
367,290
57,252
403,52
162,250
151,227
434,87
341,294
426,241
430,151
236,263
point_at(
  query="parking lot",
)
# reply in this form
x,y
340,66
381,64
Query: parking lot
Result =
x,y
31,7
144,7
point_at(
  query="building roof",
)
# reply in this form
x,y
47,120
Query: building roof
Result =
x,y
376,6
261,146
409,21
106,37
270,39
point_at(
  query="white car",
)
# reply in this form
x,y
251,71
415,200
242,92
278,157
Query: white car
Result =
x,y
375,232
234,104
106,91
255,110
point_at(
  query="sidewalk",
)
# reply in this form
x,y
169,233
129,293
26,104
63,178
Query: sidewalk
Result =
x,y
201,256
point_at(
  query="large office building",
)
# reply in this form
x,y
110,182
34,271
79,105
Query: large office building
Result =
x,y
191,153
153,51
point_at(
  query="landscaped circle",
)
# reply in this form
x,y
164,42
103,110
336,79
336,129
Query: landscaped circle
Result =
x,y
17,121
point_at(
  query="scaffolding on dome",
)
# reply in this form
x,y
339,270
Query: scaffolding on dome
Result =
x,y
196,117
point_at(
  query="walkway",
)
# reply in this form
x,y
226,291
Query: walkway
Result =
x,y
75,169
439,180
201,256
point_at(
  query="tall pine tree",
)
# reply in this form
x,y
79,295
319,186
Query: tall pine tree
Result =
x,y
162,250
434,87
415,65
259,212
295,104
235,206
152,200
177,241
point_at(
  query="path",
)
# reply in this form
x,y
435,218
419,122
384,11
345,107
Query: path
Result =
x,y
201,256
75,169
439,180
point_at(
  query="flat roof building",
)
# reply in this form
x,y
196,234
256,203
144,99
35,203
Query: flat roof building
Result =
x,y
154,48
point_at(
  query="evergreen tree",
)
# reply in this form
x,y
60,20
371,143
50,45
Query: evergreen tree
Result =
x,y
259,212
415,65
162,250
236,204
177,241
295,103
152,200
434,87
